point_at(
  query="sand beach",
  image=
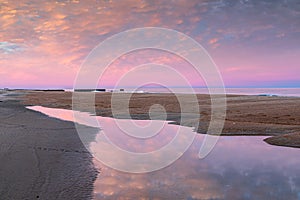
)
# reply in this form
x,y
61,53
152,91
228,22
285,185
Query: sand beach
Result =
x,y
245,115
43,157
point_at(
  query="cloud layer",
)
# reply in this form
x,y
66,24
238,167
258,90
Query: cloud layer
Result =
x,y
43,43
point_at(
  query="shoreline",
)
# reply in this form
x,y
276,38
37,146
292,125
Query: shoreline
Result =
x,y
47,159
42,157
246,114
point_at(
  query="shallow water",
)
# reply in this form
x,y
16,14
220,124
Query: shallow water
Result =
x,y
239,167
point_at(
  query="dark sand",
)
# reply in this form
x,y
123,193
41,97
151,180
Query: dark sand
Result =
x,y
289,140
246,115
41,157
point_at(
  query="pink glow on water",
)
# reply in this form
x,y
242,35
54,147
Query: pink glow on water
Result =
x,y
238,166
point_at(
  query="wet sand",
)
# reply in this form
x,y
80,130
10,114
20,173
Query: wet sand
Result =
x,y
246,115
289,140
41,157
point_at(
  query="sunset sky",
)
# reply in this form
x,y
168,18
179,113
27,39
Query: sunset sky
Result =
x,y
255,43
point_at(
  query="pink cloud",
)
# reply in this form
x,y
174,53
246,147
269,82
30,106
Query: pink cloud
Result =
x,y
56,37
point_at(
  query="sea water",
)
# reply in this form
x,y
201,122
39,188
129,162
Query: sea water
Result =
x,y
238,167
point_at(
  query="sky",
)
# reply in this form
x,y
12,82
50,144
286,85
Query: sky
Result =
x,y
254,43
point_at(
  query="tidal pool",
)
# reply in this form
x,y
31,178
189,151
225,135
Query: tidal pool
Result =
x,y
239,167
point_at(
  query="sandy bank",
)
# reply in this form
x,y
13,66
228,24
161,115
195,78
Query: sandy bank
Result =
x,y
289,140
41,157
246,115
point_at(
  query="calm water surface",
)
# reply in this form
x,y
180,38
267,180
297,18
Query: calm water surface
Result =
x,y
239,167
287,92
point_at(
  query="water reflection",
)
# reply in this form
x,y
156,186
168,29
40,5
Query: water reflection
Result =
x,y
239,167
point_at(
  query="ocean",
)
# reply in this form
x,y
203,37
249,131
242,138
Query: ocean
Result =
x,y
288,92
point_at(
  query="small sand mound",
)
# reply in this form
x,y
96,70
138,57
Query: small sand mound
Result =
x,y
289,140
